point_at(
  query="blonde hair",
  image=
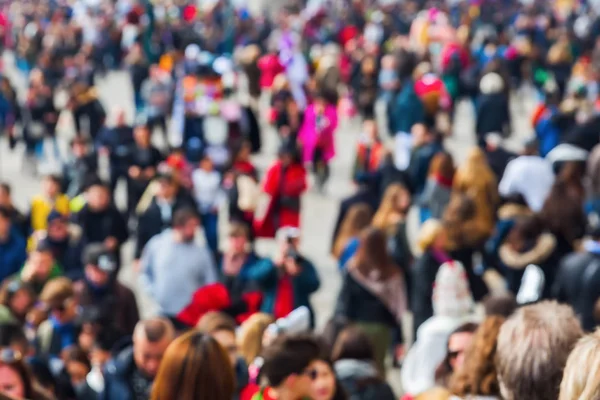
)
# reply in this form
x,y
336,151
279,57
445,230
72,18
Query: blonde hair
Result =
x,y
280,82
581,378
532,350
475,177
250,334
428,233
388,206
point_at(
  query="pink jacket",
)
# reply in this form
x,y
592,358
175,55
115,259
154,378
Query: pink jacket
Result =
x,y
309,136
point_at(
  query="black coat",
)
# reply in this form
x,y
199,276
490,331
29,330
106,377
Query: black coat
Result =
x,y
492,114
498,160
577,283
119,142
423,277
96,226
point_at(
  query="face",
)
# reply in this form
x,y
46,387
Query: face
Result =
x,y
227,340
96,276
370,129
11,383
301,384
237,244
4,226
99,357
323,387
120,118
20,302
441,240
142,136
206,164
79,149
98,198
403,202
58,230
42,264
188,231
77,371
166,189
66,311
148,355
457,345
50,188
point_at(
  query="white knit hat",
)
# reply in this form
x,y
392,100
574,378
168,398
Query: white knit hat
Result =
x,y
491,83
451,294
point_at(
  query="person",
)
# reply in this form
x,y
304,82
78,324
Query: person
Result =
x,y
432,244
16,300
208,196
532,350
529,243
173,267
499,304
497,156
100,220
325,385
284,182
76,368
39,268
116,142
222,327
79,167
492,110
12,246
130,373
158,215
250,335
289,280
430,358
50,199
354,363
370,151
18,219
530,176
316,137
142,163
426,144
15,379
85,104
156,94
345,245
580,377
575,279
438,188
476,379
373,293
195,366
100,289
458,342
286,368
241,185
59,331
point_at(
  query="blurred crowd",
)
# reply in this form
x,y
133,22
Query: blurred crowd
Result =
x,y
494,296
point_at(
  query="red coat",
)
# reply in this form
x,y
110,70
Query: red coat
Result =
x,y
287,186
270,67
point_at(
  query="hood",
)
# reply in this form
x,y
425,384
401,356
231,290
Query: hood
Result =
x,y
354,369
543,248
510,211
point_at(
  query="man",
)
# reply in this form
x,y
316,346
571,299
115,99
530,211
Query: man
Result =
x,y
142,163
40,267
12,246
158,216
530,176
578,280
116,143
533,346
156,93
19,221
100,289
174,267
286,368
129,375
79,168
497,156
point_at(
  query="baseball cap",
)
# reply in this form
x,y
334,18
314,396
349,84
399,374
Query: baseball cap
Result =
x,y
100,256
55,215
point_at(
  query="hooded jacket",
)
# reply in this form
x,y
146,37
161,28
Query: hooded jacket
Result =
x,y
361,381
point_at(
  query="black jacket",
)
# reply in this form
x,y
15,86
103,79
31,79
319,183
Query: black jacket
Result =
x,y
360,380
119,142
423,277
117,377
577,283
492,114
498,160
96,226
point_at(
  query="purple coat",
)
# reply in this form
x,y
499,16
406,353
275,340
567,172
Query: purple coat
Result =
x,y
309,134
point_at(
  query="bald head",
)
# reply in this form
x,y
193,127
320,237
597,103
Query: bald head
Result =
x,y
153,330
151,338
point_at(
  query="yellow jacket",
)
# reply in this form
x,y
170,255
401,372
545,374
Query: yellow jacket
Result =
x,y
41,208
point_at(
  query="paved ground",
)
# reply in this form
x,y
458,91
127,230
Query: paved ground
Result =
x,y
319,211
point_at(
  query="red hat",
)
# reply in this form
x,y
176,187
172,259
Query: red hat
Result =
x,y
209,298
189,13
347,33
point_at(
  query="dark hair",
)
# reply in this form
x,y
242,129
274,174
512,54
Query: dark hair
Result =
x,y
444,370
6,187
54,178
525,232
288,355
107,338
11,334
563,212
183,216
4,212
372,254
24,373
76,354
352,343
502,304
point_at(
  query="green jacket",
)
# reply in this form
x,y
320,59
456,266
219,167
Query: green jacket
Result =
x,y
37,286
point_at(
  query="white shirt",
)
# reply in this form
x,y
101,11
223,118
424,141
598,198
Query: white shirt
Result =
x,y
207,189
530,176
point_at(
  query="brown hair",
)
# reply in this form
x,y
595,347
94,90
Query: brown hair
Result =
x,y
389,206
563,211
215,321
353,344
249,337
358,218
21,369
444,371
533,346
442,165
478,375
194,366
372,255
56,291
239,229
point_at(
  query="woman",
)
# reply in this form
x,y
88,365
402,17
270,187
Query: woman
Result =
x,y
365,87
391,218
458,341
285,115
325,385
452,306
477,378
373,294
284,184
194,366
354,363
16,300
346,242
316,137
15,378
432,244
581,378
528,243
250,334
241,185
438,187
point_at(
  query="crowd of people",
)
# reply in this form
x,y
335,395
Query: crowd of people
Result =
x,y
499,279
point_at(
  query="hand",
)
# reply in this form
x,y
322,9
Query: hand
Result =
x,y
104,151
136,266
111,243
149,172
291,267
134,172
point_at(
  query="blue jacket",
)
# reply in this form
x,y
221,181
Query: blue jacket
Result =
x,y
117,374
267,276
547,133
13,254
407,109
418,168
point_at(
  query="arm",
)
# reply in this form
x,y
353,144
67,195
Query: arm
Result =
x,y
264,272
146,279
308,279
